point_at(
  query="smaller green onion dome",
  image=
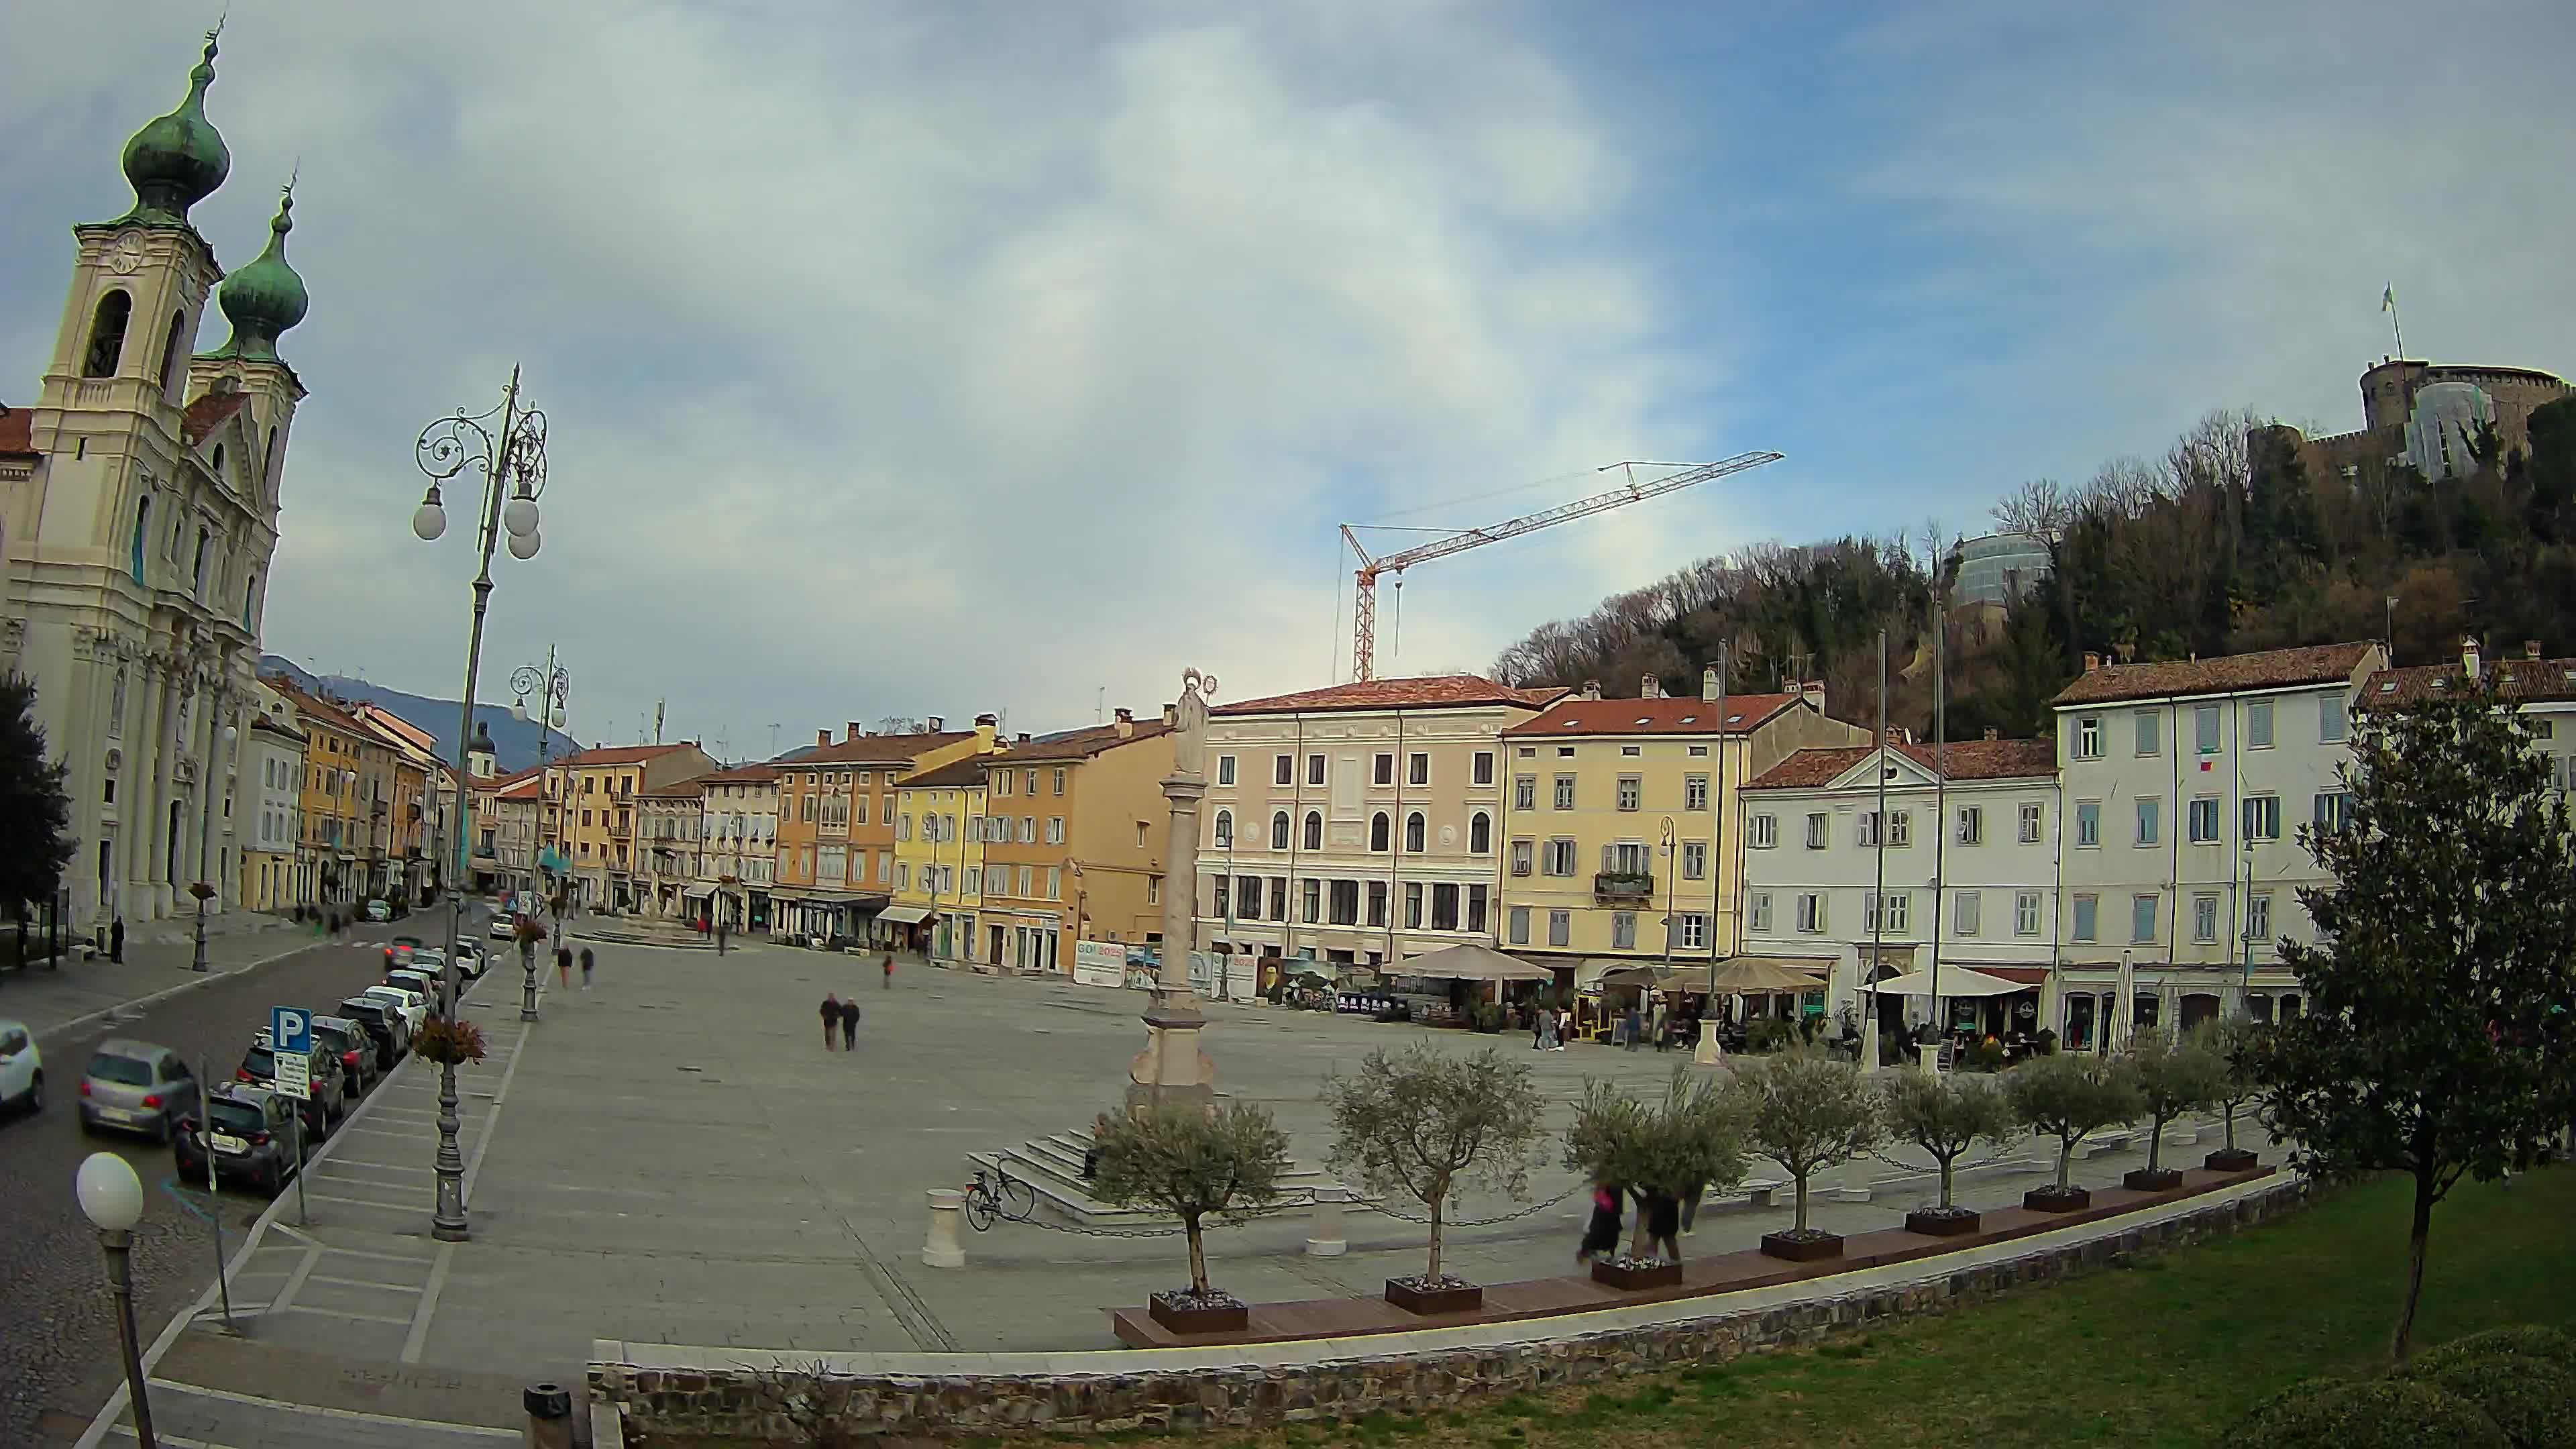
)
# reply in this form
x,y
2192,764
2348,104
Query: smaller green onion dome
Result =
x,y
178,160
265,298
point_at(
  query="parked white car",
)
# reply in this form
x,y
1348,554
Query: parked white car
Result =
x,y
22,1069
413,1005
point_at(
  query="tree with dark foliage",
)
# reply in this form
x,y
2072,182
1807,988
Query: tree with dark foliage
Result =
x,y
35,811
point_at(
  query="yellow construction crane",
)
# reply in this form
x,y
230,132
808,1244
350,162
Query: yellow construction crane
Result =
x,y
1364,609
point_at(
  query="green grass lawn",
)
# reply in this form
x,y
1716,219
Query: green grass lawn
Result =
x,y
2168,1351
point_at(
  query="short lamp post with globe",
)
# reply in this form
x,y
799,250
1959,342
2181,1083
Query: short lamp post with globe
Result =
x,y
111,1197
507,445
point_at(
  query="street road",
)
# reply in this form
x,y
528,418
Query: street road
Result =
x,y
58,1354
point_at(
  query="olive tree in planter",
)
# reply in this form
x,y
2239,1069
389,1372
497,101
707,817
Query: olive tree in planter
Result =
x,y
1945,1115
1806,1112
1425,1124
2173,1075
1200,1166
2237,1043
1680,1148
2070,1097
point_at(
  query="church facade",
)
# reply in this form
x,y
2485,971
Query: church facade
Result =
x,y
138,517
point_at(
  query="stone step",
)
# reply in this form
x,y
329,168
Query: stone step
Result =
x,y
1052,1168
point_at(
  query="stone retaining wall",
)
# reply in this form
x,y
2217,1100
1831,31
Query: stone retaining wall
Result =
x,y
730,1399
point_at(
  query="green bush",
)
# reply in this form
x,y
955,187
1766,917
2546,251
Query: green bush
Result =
x,y
2531,1340
1770,1035
2380,1414
2529,1398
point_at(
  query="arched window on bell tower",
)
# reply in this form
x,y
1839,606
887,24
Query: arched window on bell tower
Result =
x,y
107,334
170,375
197,578
142,531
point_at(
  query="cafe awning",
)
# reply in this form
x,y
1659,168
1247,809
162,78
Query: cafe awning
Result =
x,y
1470,962
905,915
1955,981
1739,974
1651,976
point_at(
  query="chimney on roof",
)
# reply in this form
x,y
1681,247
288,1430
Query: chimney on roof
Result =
x,y
1813,691
2092,661
1993,733
2530,648
2469,655
1708,685
938,724
1592,689
1024,737
850,731
1125,723
1171,716
994,720
1650,687
822,737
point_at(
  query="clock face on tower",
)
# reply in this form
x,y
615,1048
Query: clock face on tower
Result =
x,y
127,255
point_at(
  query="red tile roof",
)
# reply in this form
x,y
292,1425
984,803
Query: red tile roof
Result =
x,y
17,432
319,708
967,773
524,788
208,412
742,775
2515,679
876,749
1437,691
505,781
1571,716
1962,759
678,790
1079,744
2270,669
619,755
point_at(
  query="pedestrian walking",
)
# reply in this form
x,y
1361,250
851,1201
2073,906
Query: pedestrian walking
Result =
x,y
1628,1025
1601,1234
720,938
116,940
889,971
585,968
850,1024
1663,1224
1564,1025
1538,1029
1691,1194
831,1018
563,967
1658,1025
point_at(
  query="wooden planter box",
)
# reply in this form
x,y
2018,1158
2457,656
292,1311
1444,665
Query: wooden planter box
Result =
x,y
1642,1275
1192,1318
1802,1250
2231,1159
2051,1200
1934,1223
2162,1179
1461,1298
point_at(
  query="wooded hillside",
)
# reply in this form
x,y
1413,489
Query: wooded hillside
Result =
x,y
2222,545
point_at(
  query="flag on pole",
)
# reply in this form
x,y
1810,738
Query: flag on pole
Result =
x,y
2388,300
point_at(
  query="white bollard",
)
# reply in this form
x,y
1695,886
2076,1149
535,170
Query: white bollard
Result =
x,y
941,1250
1324,1236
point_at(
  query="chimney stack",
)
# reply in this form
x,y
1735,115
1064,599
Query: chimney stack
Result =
x,y
994,720
1125,723
2530,648
850,731
1650,687
2092,661
2469,655
1592,689
1708,687
1993,733
1024,737
1171,716
822,737
938,724
1814,692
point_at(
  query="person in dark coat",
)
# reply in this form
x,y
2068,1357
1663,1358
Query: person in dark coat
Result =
x,y
831,1018
116,939
1601,1234
850,1025
1663,1213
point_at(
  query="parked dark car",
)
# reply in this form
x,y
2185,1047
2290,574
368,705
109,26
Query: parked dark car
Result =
x,y
324,1103
245,1134
356,1050
384,1023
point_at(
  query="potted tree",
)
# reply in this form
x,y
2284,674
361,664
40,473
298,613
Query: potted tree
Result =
x,y
2173,1074
1682,1148
1945,1116
2070,1097
1426,1124
1806,1112
2238,1043
1199,1166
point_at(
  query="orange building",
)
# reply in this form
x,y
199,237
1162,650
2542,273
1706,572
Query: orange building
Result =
x,y
836,809
595,792
1075,828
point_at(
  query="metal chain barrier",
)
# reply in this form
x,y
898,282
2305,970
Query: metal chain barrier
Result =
x,y
1425,1220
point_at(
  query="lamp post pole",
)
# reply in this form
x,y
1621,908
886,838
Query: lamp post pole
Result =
x,y
553,689
512,460
111,1197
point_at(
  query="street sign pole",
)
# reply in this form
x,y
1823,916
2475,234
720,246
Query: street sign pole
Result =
x,y
290,1036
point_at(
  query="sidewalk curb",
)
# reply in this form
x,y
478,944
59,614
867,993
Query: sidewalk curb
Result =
x,y
155,998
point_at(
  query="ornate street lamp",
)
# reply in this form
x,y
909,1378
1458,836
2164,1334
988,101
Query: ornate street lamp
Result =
x,y
510,453
111,1197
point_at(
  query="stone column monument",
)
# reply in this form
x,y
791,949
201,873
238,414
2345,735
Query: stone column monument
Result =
x,y
1171,1067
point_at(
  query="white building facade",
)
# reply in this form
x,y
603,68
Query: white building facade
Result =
x,y
1964,872
2185,784
738,854
270,813
1358,824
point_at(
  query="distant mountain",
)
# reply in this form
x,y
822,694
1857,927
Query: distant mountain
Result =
x,y
514,740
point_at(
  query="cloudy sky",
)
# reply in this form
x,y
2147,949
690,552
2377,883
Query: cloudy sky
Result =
x,y
942,357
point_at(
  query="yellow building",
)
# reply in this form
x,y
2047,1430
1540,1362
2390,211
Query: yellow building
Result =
x,y
592,799
938,859
1622,823
343,762
836,809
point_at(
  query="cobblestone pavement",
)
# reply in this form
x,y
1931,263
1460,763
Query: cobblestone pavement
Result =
x,y
58,1358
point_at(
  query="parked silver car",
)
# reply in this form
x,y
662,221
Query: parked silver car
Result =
x,y
137,1086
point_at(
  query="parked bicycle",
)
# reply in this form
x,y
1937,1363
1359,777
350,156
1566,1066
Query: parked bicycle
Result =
x,y
998,1195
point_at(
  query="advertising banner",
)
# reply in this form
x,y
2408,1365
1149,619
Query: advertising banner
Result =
x,y
1100,963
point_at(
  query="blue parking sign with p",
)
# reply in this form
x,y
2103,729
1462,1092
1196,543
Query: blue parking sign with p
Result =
x,y
290,1029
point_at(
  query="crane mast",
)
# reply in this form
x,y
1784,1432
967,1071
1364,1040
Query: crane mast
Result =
x,y
1364,606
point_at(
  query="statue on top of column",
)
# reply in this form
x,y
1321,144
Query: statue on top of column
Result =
x,y
1189,731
